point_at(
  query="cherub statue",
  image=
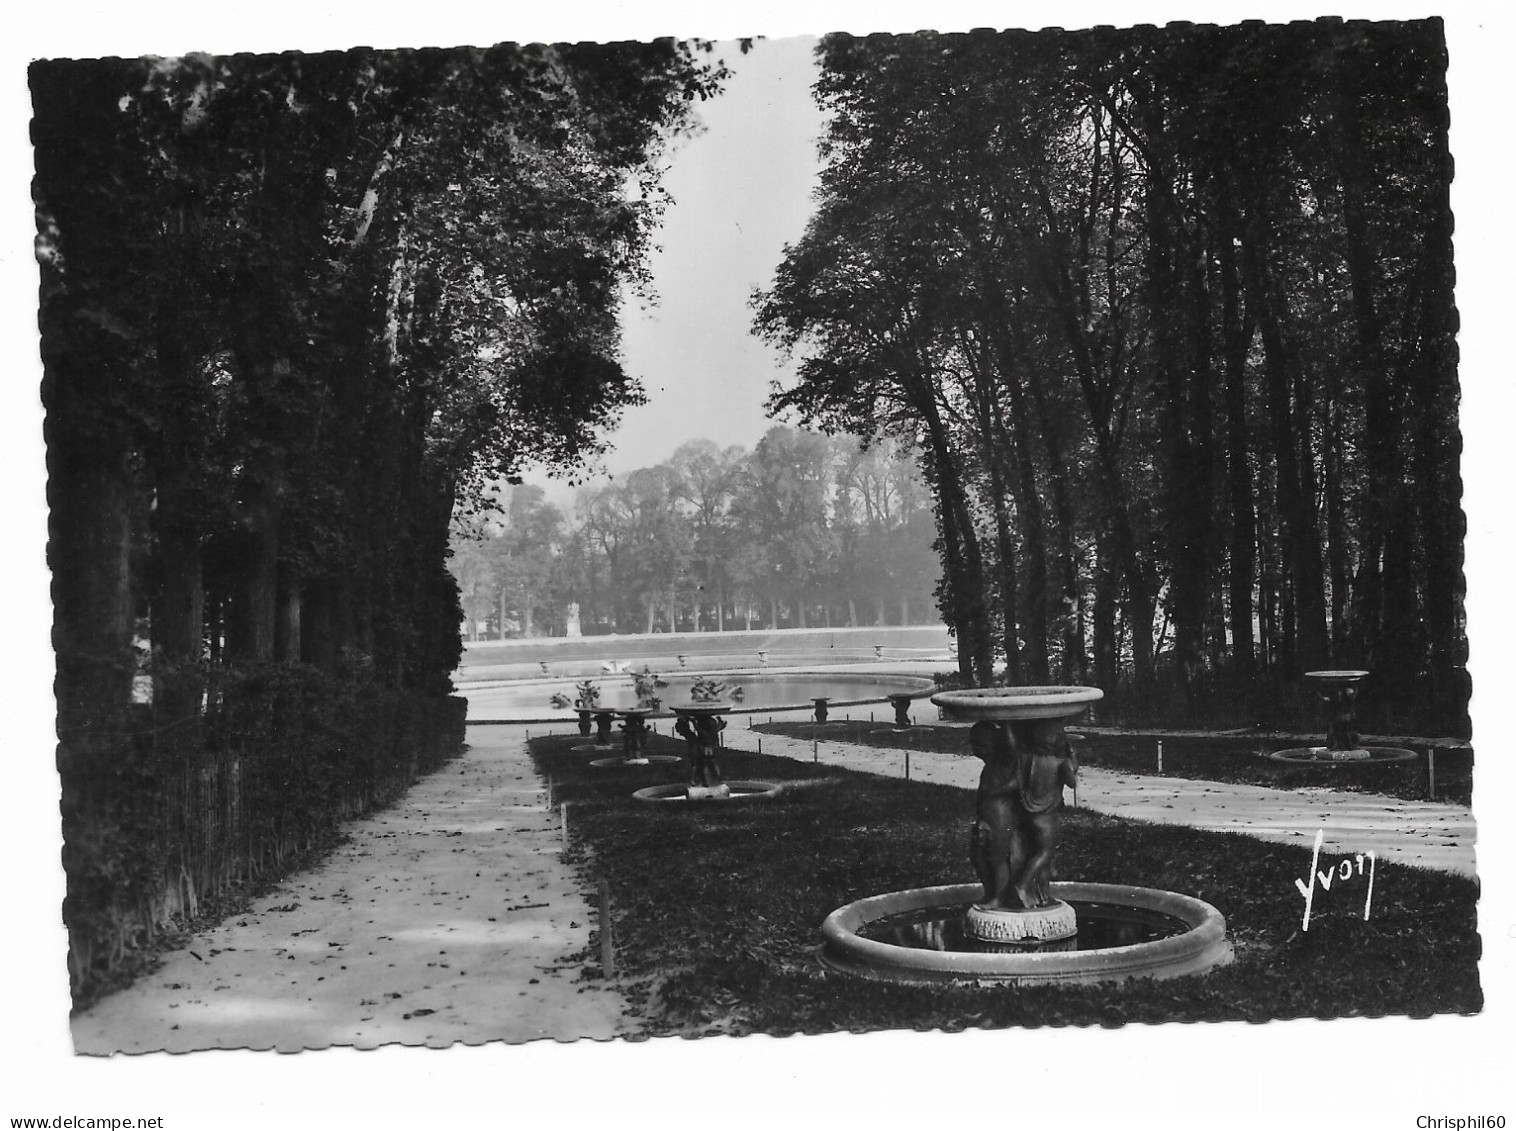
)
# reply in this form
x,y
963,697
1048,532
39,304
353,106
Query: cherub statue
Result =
x,y
1342,701
1016,810
995,840
1044,766
634,735
701,735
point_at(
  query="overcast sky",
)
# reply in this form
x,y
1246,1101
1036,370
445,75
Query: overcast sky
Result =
x,y
742,190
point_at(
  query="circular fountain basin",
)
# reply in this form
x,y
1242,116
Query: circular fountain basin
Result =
x,y
1180,935
1337,676
646,760
1362,756
528,701
736,791
1002,703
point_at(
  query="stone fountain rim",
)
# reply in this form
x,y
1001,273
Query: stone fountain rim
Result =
x,y
753,791
647,760
1378,756
1200,948
1017,702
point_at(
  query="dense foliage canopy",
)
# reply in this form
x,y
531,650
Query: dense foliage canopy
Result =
x,y
295,310
1168,315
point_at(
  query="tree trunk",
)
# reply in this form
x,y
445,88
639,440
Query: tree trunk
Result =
x,y
1241,559
1069,612
255,602
1139,576
287,644
1107,640
1299,532
1339,567
1181,360
318,630
963,574
1034,663
178,617
89,550
1382,397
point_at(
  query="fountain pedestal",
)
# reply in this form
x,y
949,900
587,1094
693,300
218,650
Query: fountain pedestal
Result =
x,y
902,705
1339,691
1018,733
1022,928
604,720
634,734
700,726
1052,923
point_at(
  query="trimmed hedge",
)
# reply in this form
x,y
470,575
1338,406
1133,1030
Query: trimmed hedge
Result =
x,y
191,811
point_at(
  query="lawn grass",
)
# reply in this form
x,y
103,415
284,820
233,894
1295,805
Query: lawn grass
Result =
x,y
717,908
1238,759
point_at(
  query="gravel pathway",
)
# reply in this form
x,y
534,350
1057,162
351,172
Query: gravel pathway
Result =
x,y
1426,834
446,918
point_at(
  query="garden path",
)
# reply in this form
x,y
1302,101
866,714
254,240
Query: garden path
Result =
x,y
1425,834
446,918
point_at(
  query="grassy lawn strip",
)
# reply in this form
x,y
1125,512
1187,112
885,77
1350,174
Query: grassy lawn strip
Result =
x,y
717,908
1239,759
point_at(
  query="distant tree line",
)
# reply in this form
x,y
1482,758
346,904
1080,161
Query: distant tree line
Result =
x,y
1168,315
295,310
803,531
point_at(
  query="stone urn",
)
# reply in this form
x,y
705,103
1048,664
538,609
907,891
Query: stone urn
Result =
x,y
902,705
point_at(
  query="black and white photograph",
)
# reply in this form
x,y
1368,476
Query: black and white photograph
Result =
x,y
551,550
